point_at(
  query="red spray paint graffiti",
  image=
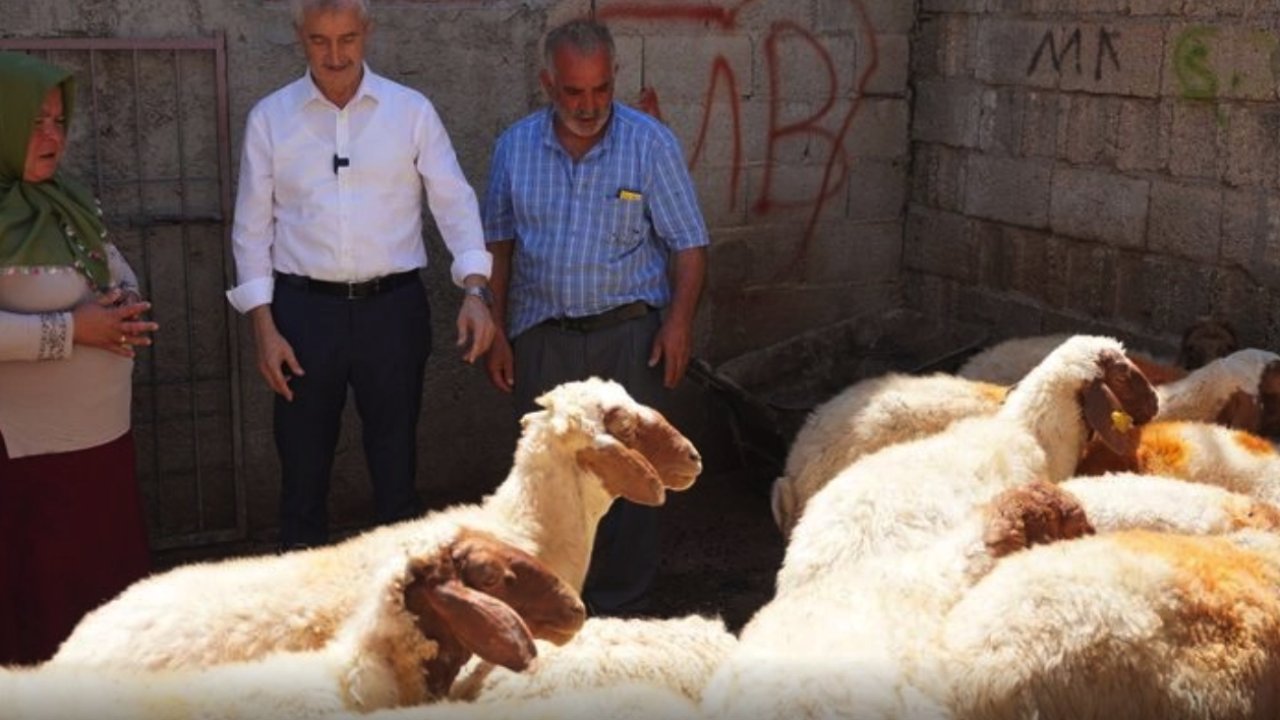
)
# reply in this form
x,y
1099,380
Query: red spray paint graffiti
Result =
x,y
721,74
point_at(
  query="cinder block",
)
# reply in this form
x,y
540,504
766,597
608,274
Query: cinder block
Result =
x,y
750,256
1020,52
885,16
942,46
1194,148
1239,297
1092,277
937,176
879,129
953,6
854,253
947,111
1088,137
1139,132
806,67
1005,315
940,243
680,65
1253,145
1096,205
1251,229
893,62
1012,190
877,190
1186,220
1119,58
936,297
1220,61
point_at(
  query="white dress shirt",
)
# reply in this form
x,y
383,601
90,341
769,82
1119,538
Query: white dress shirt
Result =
x,y
296,214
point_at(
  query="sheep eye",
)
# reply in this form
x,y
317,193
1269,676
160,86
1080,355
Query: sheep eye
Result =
x,y
482,576
620,424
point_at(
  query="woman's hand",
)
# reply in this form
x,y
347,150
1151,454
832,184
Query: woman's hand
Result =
x,y
112,322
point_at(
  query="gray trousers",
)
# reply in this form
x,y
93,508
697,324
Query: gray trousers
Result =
x,y
625,558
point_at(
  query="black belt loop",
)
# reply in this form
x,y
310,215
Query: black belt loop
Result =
x,y
349,290
606,319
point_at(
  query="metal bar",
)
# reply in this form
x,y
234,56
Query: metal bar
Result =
x,y
185,234
233,342
145,242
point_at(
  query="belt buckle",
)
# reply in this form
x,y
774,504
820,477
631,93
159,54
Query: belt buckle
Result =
x,y
351,291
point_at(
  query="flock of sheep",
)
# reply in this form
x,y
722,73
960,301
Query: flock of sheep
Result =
x,y
1061,530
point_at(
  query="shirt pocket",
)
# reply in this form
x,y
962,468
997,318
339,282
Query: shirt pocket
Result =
x,y
623,223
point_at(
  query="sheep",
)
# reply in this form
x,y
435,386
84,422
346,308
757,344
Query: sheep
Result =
x,y
628,701
1205,340
865,417
859,644
677,654
1131,624
1241,390
1007,362
1129,501
905,495
589,444
1200,452
419,614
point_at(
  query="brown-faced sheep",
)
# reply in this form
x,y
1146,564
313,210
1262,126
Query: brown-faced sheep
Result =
x,y
588,445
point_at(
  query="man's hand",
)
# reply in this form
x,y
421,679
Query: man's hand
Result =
x,y
475,328
501,364
108,323
673,345
274,352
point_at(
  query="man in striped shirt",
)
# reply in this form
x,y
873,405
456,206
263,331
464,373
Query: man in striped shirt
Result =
x,y
599,252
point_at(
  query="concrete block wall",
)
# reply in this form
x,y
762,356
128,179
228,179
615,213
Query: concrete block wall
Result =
x,y
1102,165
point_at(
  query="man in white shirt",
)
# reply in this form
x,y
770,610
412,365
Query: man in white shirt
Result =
x,y
328,244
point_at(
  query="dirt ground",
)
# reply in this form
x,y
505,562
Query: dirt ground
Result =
x,y
720,550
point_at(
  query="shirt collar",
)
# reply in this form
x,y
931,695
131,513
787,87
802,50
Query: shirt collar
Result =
x,y
370,87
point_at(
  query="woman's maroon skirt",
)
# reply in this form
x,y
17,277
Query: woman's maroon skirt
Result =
x,y
72,535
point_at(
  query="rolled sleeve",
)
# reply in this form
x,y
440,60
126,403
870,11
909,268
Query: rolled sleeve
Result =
x,y
247,296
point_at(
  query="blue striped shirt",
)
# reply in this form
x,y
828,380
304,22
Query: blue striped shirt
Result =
x,y
591,235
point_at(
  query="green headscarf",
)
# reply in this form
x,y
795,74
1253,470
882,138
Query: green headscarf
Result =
x,y
48,224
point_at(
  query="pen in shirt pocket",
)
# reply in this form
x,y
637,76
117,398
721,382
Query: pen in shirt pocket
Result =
x,y
625,194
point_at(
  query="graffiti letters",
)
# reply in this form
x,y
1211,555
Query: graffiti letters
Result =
x,y
1073,48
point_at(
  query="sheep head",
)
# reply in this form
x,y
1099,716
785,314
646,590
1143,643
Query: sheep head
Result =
x,y
1117,402
1036,513
1207,340
475,595
632,448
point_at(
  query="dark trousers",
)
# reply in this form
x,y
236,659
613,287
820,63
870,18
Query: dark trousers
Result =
x,y
377,346
625,558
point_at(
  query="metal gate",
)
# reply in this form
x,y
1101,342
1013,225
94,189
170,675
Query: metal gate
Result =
x,y
150,133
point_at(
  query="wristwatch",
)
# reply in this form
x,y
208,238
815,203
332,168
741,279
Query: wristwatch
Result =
x,y
481,291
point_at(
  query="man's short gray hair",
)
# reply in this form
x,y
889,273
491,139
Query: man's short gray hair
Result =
x,y
584,36
302,7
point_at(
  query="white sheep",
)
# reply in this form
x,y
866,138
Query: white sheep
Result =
x,y
906,495
628,701
1241,390
677,654
1007,362
1129,501
858,644
1135,625
590,444
1200,452
865,417
416,614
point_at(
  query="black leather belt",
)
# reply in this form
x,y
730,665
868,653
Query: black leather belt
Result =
x,y
349,291
608,318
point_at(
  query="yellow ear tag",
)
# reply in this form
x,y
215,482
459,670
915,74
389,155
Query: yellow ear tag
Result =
x,y
1121,421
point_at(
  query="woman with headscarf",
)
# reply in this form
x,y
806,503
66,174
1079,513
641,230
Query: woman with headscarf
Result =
x,y
72,533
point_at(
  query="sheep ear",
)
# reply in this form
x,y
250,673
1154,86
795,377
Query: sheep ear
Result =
x,y
624,472
484,625
1109,419
1242,411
